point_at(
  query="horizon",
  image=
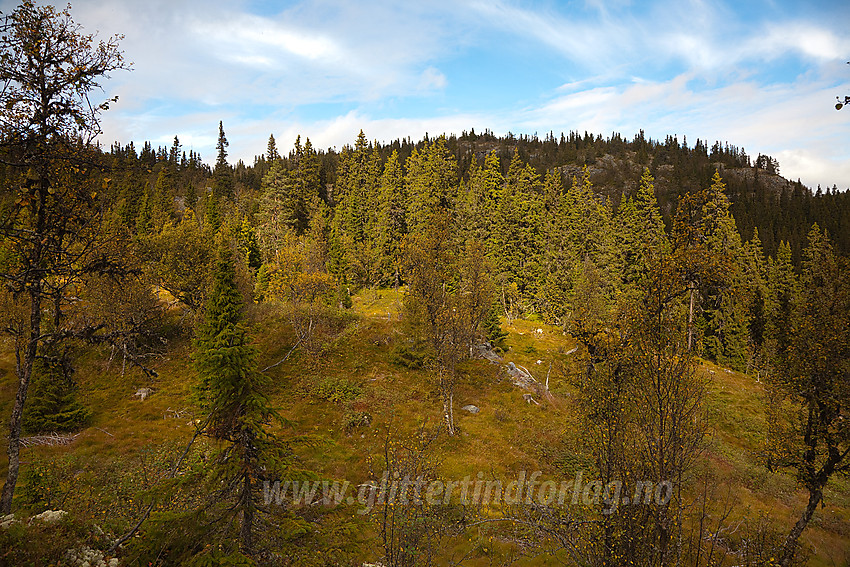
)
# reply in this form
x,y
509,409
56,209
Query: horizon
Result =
x,y
762,76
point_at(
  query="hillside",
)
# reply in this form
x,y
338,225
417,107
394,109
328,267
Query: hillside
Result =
x,y
461,350
101,476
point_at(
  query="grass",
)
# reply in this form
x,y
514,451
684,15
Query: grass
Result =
x,y
507,434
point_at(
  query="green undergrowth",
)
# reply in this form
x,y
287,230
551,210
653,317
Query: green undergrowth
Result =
x,y
339,400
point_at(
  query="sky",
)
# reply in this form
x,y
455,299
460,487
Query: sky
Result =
x,y
760,74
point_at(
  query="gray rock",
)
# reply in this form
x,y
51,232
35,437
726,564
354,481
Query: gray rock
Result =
x,y
484,350
471,408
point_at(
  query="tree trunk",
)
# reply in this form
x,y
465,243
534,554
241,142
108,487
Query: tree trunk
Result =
x,y
247,516
451,412
447,414
790,546
691,318
24,372
448,399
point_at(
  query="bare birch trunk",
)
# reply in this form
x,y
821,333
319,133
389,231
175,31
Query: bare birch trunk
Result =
x,y
24,372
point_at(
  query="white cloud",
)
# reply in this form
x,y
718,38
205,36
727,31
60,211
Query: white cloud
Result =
x,y
688,68
252,35
805,38
593,44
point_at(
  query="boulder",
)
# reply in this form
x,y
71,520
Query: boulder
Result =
x,y
471,408
484,350
50,516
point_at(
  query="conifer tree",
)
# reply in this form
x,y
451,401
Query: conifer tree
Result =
x,y
492,327
580,232
191,196
703,238
392,218
162,197
271,150
517,231
558,259
145,220
432,182
132,192
783,288
307,170
249,244
478,199
237,412
278,206
53,404
754,275
223,175
174,154
212,213
356,214
640,231
724,306
304,182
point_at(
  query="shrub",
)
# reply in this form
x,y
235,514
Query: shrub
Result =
x,y
408,357
52,405
337,390
353,419
493,329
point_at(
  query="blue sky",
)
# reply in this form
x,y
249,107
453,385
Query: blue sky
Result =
x,y
759,74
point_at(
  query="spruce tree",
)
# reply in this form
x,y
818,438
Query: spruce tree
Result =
x,y
581,231
725,301
356,215
754,275
249,244
783,288
191,196
640,232
704,243
162,202
478,199
271,150
305,176
231,392
432,182
53,405
145,221
517,231
223,175
212,214
392,219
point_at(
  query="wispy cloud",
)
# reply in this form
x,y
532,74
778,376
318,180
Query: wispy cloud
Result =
x,y
254,38
761,74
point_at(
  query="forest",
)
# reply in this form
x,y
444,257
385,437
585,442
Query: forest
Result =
x,y
183,343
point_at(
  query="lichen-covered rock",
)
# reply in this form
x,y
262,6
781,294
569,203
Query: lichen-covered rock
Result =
x,y
88,557
50,516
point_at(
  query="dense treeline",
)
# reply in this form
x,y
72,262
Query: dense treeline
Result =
x,y
542,208
781,210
